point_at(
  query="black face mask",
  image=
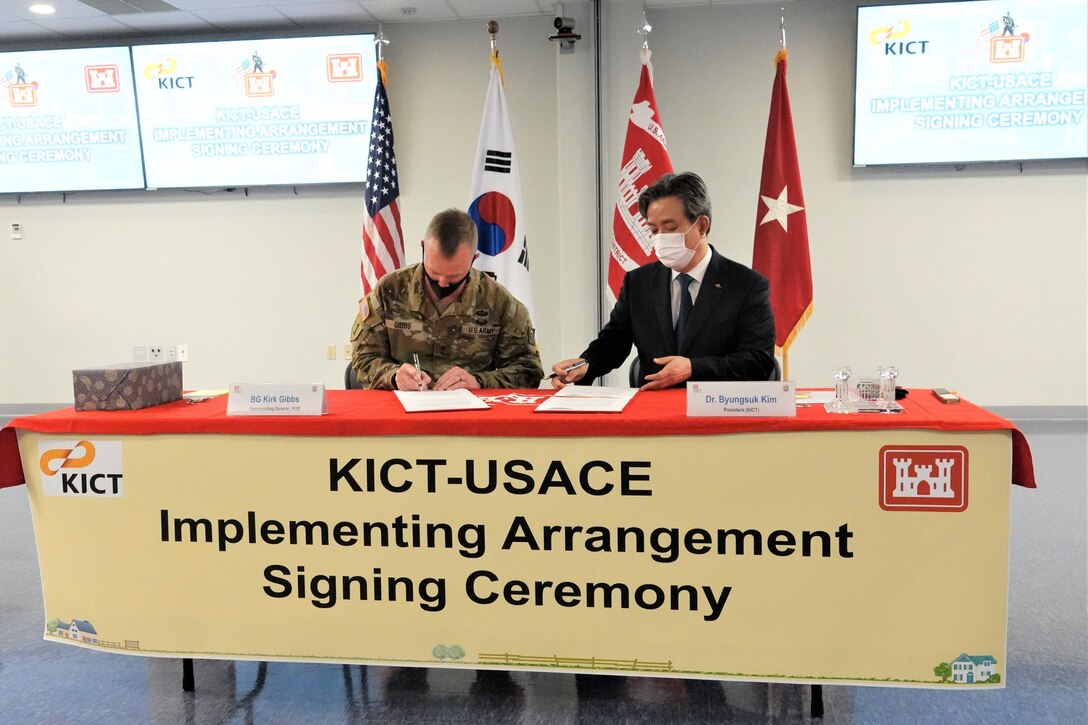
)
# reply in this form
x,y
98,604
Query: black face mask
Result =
x,y
441,291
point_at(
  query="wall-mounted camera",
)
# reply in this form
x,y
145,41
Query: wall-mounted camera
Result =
x,y
565,26
564,34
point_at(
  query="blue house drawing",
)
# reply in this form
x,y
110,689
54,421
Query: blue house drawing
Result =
x,y
969,669
79,630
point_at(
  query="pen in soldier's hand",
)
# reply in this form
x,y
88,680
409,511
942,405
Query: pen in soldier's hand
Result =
x,y
575,366
415,361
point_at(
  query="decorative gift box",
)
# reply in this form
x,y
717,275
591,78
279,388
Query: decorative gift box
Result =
x,y
127,386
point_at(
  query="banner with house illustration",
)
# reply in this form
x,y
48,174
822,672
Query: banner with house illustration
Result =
x,y
863,557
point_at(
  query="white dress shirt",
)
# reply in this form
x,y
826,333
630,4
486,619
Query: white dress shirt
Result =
x,y
696,275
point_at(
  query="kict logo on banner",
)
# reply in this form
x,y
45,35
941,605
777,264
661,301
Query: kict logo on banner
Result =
x,y
163,74
889,36
81,468
923,478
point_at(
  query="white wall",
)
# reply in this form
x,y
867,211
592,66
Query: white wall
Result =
x,y
257,286
969,279
973,280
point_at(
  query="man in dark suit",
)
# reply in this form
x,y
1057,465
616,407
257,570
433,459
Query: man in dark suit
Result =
x,y
691,315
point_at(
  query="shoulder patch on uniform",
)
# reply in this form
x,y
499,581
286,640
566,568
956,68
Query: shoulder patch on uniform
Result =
x,y
364,308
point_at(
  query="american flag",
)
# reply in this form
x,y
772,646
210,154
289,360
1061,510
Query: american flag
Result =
x,y
982,40
383,244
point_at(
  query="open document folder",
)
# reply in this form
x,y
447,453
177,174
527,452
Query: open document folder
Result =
x,y
587,399
423,401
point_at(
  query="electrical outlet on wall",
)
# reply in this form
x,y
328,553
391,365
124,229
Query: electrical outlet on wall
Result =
x,y
154,353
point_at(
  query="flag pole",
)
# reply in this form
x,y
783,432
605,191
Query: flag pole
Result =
x,y
382,237
379,47
780,249
644,30
493,30
782,53
780,56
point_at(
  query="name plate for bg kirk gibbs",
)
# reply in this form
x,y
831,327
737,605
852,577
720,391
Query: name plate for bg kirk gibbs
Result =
x,y
276,399
776,399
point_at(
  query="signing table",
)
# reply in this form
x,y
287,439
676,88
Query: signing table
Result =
x,y
865,548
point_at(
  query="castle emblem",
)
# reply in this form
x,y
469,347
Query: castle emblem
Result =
x,y
923,478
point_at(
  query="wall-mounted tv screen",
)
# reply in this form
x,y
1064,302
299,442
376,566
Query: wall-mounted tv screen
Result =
x,y
68,121
256,112
957,82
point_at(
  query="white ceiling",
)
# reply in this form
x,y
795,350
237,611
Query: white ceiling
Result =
x,y
75,21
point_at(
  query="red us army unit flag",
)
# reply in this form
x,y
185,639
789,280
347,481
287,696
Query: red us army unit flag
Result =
x,y
781,239
645,159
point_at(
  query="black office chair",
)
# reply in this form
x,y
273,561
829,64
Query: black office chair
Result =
x,y
776,374
351,380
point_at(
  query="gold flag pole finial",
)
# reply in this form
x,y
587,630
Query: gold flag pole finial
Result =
x,y
782,52
493,30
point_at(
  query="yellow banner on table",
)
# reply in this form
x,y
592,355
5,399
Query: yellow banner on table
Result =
x,y
874,557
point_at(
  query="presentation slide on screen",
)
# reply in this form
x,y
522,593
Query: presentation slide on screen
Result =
x,y
256,112
971,81
68,121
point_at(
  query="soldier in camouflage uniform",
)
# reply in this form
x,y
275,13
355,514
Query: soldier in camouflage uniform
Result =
x,y
466,328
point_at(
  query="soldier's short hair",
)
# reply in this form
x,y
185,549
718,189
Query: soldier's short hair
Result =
x,y
688,187
451,229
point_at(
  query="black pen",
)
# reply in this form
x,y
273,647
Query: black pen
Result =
x,y
575,366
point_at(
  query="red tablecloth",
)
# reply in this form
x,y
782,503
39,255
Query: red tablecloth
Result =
x,y
370,413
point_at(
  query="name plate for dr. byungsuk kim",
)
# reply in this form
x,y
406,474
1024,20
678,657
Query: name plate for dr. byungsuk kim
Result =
x,y
276,399
776,399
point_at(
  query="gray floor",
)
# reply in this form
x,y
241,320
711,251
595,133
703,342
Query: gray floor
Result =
x,y
1047,674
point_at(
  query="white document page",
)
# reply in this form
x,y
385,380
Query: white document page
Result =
x,y
587,399
814,397
421,401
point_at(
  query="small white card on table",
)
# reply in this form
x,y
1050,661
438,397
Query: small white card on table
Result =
x,y
276,399
773,399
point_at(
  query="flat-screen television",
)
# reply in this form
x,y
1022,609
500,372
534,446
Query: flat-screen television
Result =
x,y
256,112
958,82
68,121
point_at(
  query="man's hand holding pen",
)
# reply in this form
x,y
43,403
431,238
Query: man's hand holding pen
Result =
x,y
410,377
568,372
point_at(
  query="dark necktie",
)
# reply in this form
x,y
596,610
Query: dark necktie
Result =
x,y
685,305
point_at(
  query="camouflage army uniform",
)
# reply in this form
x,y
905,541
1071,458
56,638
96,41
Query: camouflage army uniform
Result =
x,y
485,331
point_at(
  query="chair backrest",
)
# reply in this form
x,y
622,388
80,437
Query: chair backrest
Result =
x,y
776,374
351,379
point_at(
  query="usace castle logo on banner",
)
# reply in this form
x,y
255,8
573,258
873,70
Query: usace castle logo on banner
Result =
x,y
81,468
923,478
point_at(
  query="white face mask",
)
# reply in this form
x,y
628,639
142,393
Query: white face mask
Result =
x,y
671,249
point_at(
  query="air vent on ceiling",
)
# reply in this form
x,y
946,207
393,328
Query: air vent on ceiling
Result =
x,y
128,7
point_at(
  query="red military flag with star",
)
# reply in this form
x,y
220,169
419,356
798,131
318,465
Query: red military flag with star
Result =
x,y
781,239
